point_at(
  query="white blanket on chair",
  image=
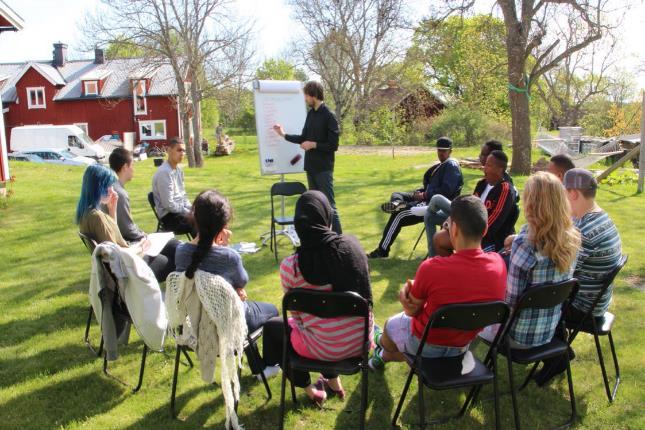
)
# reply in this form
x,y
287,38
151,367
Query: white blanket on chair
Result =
x,y
212,318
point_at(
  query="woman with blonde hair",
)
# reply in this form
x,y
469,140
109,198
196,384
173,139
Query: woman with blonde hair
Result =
x,y
543,252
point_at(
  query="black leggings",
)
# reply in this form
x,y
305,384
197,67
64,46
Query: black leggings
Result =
x,y
272,348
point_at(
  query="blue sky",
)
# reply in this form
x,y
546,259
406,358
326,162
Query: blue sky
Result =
x,y
50,21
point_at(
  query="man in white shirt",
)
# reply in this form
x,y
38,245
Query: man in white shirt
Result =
x,y
171,201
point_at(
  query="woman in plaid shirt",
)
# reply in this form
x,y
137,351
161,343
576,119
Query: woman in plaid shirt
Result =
x,y
544,251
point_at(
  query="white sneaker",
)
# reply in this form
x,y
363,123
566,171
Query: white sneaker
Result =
x,y
269,372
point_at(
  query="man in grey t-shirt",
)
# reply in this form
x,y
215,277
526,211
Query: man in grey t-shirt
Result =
x,y
171,201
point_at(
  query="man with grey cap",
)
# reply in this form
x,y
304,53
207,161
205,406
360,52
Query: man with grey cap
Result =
x,y
599,254
444,178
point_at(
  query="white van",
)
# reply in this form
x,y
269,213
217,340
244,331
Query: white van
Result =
x,y
30,137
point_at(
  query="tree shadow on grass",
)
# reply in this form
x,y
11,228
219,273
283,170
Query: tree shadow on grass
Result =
x,y
48,362
60,403
379,404
21,330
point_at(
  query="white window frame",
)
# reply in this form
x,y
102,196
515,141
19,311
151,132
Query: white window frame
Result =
x,y
96,87
152,123
36,106
135,97
83,126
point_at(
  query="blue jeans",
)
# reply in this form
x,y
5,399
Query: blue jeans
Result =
x,y
438,211
433,351
256,315
324,182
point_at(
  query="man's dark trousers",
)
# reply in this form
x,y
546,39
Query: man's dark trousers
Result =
x,y
324,182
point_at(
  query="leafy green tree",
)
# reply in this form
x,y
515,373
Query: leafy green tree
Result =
x,y
280,70
464,59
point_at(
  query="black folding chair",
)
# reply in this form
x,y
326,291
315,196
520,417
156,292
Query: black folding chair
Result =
x,y
442,373
117,302
90,244
600,326
160,226
325,305
282,189
540,297
250,347
151,202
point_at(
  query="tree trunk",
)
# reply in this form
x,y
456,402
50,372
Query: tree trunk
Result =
x,y
519,101
521,125
185,122
197,117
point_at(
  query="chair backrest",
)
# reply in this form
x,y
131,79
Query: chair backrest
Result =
x,y
287,189
151,201
89,243
609,279
325,304
467,317
547,296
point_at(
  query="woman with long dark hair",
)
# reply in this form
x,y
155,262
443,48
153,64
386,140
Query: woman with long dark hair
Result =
x,y
324,261
209,252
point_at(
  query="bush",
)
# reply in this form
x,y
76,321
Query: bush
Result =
x,y
466,126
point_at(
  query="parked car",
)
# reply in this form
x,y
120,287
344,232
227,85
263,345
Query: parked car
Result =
x,y
69,137
19,156
59,156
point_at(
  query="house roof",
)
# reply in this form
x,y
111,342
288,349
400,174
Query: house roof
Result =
x,y
117,74
393,94
9,19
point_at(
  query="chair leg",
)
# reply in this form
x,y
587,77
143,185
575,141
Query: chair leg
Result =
x,y
421,405
293,392
142,368
601,360
516,412
252,349
402,399
364,385
175,374
282,392
571,394
86,337
615,358
529,376
496,392
416,243
190,361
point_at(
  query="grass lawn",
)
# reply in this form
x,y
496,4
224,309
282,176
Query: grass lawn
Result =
x,y
48,378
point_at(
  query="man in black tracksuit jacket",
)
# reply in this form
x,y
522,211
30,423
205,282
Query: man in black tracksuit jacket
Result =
x,y
497,192
319,139
444,178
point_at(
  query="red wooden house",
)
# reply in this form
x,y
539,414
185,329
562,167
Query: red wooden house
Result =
x,y
100,96
9,21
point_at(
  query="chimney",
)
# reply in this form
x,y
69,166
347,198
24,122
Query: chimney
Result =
x,y
99,56
60,54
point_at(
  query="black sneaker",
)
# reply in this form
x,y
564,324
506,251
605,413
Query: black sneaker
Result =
x,y
392,207
377,253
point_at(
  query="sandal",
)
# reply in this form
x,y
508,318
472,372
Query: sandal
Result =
x,y
319,397
323,384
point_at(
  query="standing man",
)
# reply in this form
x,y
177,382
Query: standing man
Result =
x,y
171,201
319,138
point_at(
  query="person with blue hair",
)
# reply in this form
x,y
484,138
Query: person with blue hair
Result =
x,y
97,189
